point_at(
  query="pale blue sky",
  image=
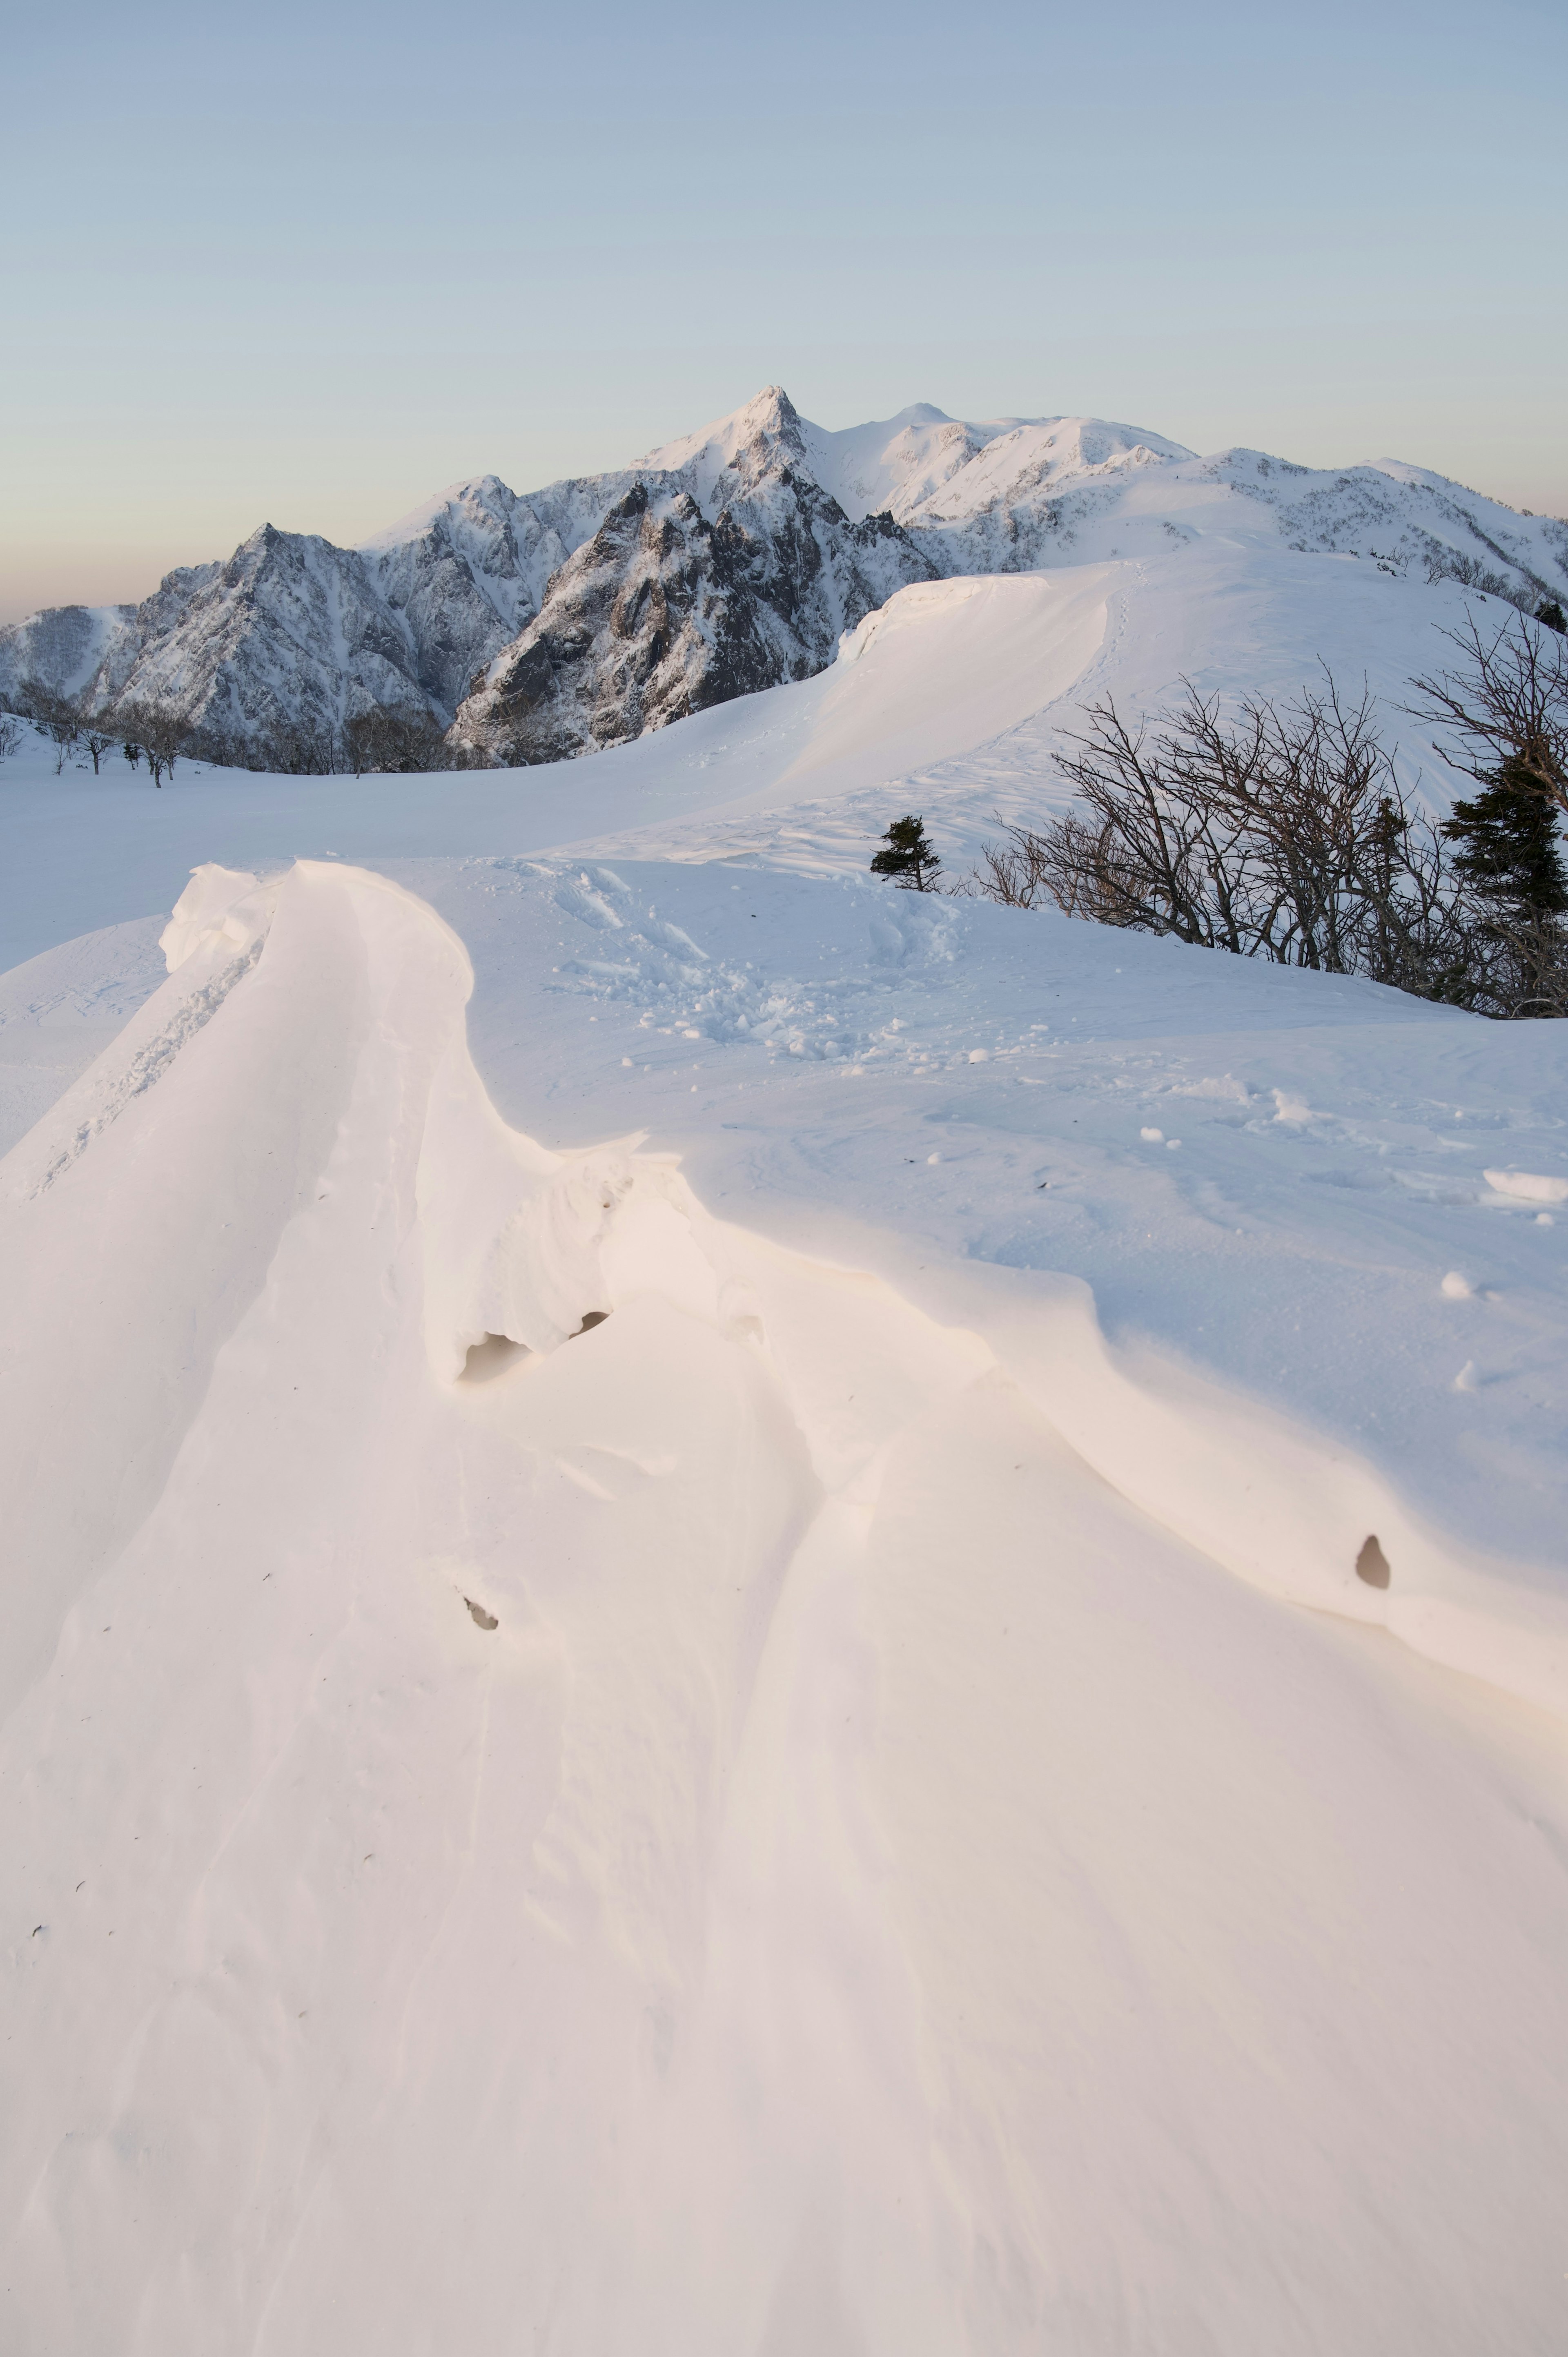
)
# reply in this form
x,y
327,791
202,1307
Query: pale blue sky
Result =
x,y
308,264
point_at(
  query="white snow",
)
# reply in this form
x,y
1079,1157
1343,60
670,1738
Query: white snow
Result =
x,y
1528,1186
683,1666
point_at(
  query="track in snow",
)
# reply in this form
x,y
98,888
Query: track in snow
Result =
x,y
877,1887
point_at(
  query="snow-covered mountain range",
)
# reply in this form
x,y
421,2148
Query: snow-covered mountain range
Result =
x,y
549,624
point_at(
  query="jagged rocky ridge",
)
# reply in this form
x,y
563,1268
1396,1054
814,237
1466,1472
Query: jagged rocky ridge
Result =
x,y
540,626
665,611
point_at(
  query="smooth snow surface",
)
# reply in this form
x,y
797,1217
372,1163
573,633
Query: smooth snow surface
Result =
x,y
750,1615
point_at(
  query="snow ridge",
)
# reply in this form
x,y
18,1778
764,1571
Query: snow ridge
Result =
x,y
575,1773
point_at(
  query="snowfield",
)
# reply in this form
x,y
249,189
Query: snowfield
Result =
x,y
684,1663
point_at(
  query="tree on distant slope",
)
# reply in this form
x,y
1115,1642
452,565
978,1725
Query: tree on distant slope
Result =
x,y
289,749
383,741
909,857
54,713
161,737
1550,612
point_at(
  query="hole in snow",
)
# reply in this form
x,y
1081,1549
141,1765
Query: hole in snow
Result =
x,y
490,1358
1372,1563
480,1617
591,1317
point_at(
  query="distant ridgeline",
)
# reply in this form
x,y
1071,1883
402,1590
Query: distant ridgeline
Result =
x,y
488,627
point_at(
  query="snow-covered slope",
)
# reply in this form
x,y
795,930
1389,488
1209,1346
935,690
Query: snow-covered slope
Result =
x,y
63,649
808,1815
578,616
952,698
1071,489
860,1803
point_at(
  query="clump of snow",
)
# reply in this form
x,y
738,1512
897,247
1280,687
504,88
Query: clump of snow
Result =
x,y
1528,1186
213,912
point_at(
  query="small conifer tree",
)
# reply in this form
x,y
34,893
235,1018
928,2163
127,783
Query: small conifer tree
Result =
x,y
909,857
1511,856
1509,849
1549,612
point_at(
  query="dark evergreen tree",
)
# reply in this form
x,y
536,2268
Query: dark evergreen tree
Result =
x,y
1550,612
1510,855
909,857
1508,846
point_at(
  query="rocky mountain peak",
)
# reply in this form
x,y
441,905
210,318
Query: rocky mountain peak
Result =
x,y
552,622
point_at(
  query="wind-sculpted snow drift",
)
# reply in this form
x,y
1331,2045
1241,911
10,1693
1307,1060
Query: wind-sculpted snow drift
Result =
x,y
575,1778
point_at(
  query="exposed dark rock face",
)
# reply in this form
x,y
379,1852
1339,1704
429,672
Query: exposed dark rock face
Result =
x,y
664,612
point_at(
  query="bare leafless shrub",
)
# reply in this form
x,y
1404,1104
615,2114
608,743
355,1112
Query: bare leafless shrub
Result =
x,y
12,732
373,741
1456,564
1526,970
56,715
160,734
292,750
1502,715
1507,704
384,742
1282,833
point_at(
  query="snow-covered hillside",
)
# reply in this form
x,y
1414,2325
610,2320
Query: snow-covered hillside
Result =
x,y
954,699
683,1666
581,615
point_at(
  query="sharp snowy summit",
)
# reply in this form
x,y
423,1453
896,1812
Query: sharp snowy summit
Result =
x,y
541,626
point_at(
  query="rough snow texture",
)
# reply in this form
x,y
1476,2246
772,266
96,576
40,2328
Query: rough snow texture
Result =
x,y
859,1806
602,606
798,1822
